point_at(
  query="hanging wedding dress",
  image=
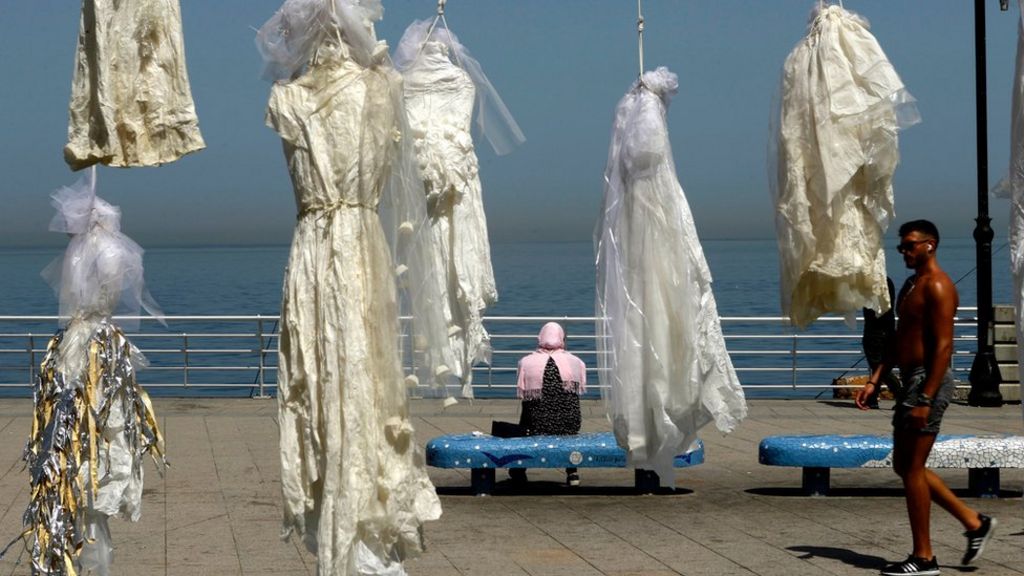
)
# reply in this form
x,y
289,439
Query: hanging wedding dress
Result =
x,y
661,352
353,477
439,97
131,104
93,424
842,105
1016,189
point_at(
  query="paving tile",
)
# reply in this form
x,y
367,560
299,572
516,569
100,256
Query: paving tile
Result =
x,y
217,509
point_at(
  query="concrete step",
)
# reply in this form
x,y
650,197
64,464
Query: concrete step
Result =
x,y
1006,353
1003,314
1005,334
1009,371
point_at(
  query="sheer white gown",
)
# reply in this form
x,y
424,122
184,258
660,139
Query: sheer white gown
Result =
x,y
439,100
131,104
1016,183
660,344
353,479
842,105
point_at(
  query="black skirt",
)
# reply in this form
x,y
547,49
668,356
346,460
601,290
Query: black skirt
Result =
x,y
557,411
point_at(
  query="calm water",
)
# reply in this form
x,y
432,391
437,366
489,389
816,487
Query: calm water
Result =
x,y
534,279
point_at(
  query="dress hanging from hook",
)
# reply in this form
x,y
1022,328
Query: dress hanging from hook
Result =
x,y
353,478
835,150
93,424
661,352
1016,188
442,83
131,104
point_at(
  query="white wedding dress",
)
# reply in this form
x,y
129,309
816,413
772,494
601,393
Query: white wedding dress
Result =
x,y
1016,188
661,350
439,99
131,104
842,105
353,478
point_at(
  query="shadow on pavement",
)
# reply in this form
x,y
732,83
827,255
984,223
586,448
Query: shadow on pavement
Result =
x,y
864,493
840,403
855,559
543,488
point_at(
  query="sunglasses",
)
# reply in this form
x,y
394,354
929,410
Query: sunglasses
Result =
x,y
907,246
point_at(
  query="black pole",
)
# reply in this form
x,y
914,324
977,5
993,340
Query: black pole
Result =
x,y
985,377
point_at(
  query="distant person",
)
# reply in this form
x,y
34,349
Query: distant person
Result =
x,y
550,383
922,349
878,330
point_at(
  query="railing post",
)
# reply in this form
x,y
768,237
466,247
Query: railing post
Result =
x,y
793,353
259,338
31,359
184,338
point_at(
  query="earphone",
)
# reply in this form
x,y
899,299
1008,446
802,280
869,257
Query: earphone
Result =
x,y
930,249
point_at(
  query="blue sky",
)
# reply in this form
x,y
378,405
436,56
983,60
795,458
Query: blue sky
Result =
x,y
561,66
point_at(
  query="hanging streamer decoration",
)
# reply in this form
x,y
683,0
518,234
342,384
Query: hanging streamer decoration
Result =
x,y
92,422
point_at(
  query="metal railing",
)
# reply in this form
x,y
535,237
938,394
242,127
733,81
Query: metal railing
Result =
x,y
237,355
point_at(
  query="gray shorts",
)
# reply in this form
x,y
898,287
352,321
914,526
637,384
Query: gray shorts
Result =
x,y
913,384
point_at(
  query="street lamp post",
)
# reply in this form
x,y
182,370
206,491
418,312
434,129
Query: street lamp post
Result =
x,y
985,377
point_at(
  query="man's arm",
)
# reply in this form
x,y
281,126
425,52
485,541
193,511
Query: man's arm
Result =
x,y
875,379
940,297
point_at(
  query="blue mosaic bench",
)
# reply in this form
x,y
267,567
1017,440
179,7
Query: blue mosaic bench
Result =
x,y
484,453
982,455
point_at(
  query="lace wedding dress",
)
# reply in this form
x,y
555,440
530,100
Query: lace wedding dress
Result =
x,y
131,104
661,351
353,478
439,98
842,105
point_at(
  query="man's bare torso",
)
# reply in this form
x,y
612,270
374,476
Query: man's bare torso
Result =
x,y
915,342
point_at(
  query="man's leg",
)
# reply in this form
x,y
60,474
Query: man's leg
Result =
x,y
910,452
943,496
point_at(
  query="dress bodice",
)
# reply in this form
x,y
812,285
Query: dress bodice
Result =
x,y
338,123
439,94
439,98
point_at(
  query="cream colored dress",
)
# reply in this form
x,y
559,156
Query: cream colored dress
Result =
x,y
842,106
353,479
131,104
439,98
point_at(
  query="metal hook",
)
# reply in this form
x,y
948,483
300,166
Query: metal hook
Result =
x,y
640,37
1004,5
440,7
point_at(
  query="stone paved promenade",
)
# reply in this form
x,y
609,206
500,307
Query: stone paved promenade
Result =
x,y
216,511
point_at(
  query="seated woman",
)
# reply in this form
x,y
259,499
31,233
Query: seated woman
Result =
x,y
550,383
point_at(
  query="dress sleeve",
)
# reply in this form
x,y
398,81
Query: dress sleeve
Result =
x,y
281,114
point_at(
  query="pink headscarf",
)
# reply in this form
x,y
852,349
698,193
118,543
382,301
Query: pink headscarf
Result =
x,y
550,344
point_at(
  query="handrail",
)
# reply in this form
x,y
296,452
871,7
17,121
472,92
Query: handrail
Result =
x,y
238,353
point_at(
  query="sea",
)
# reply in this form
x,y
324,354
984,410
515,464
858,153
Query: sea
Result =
x,y
534,279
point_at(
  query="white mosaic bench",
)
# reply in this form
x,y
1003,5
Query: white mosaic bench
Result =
x,y
483,453
982,455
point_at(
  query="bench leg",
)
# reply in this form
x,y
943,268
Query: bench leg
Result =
x,y
816,481
646,481
983,482
482,480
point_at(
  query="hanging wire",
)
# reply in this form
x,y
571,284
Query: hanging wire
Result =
x,y
821,4
640,37
433,25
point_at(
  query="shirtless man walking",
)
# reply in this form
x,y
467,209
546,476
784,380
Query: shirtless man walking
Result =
x,y
922,349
